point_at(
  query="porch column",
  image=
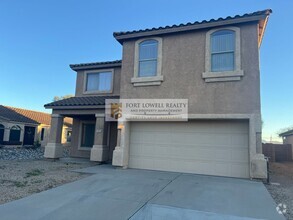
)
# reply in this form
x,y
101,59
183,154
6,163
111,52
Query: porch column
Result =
x,y
121,152
258,164
54,148
100,150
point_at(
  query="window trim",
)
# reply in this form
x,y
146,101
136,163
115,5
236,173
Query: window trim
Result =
x,y
223,76
97,91
147,80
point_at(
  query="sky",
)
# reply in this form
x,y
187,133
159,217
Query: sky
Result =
x,y
40,38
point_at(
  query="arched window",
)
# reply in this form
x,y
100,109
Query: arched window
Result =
x,y
14,133
223,55
148,58
222,51
2,132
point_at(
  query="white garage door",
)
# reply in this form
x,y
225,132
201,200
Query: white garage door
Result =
x,y
204,147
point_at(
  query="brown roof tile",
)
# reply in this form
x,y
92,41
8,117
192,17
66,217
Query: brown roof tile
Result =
x,y
96,65
39,117
122,35
81,101
9,114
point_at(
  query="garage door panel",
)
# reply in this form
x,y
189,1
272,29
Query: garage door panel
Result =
x,y
191,153
239,140
198,167
218,148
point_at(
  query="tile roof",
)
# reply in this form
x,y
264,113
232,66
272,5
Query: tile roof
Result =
x,y
81,101
11,115
39,117
95,65
189,26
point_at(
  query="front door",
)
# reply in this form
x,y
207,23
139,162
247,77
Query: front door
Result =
x,y
29,135
112,139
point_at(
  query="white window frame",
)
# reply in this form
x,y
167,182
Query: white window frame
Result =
x,y
147,80
97,91
233,75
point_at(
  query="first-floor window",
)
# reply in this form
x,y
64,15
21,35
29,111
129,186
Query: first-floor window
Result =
x,y
14,133
87,135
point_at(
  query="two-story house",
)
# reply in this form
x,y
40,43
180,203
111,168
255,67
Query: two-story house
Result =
x,y
214,64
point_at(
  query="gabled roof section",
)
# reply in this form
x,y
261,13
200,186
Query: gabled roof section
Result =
x,y
95,65
38,117
11,115
287,133
249,17
85,101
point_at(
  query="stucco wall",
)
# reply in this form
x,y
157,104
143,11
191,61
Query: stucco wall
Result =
x,y
74,152
46,134
183,62
288,140
75,140
80,80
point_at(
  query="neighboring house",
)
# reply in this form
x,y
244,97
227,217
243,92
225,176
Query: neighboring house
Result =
x,y
287,138
21,127
16,129
214,64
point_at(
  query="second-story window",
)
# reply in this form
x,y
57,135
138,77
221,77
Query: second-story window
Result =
x,y
99,81
148,58
223,51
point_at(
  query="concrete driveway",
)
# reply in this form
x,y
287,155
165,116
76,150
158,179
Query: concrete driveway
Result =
x,y
140,194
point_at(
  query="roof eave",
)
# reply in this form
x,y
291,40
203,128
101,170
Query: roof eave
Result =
x,y
287,133
122,38
90,67
66,107
263,28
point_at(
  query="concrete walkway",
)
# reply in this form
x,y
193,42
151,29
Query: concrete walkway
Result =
x,y
140,194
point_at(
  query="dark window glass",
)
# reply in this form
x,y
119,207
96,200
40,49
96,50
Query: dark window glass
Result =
x,y
88,135
14,133
42,134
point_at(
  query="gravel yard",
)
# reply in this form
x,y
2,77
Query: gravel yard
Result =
x,y
282,173
20,178
22,153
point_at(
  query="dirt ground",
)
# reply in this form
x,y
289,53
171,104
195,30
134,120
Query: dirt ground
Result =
x,y
281,187
22,178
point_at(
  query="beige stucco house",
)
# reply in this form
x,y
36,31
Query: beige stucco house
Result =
x,y
23,127
214,64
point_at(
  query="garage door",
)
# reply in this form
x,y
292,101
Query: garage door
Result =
x,y
204,147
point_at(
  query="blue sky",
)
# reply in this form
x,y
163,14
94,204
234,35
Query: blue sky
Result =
x,y
40,38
